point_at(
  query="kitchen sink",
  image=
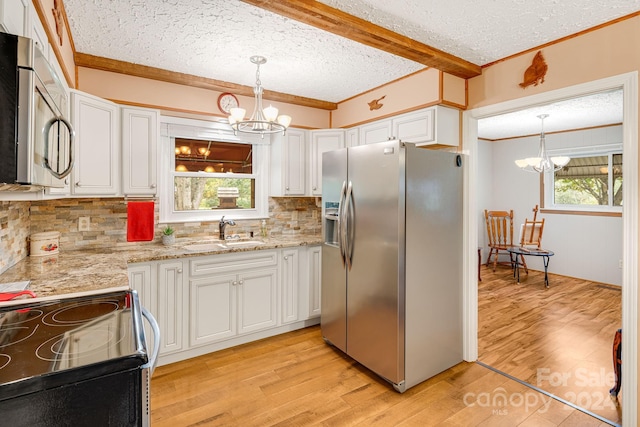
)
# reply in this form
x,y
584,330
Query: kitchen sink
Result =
x,y
229,244
243,243
204,247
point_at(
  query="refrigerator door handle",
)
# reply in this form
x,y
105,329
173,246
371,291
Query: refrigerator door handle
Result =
x,y
349,228
342,222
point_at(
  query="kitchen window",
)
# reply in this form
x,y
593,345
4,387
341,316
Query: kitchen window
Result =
x,y
591,181
207,173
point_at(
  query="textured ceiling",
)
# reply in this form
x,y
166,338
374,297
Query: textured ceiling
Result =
x,y
483,31
215,38
598,109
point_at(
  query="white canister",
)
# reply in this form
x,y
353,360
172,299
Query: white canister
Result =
x,y
43,244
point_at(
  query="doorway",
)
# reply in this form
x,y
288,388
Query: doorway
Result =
x,y
628,83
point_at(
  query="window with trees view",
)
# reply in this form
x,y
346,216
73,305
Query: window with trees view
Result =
x,y
206,172
589,182
213,175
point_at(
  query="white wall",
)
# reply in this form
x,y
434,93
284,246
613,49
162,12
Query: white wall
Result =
x,y
586,247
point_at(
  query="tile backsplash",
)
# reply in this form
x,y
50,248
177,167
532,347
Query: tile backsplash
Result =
x,y
14,232
108,223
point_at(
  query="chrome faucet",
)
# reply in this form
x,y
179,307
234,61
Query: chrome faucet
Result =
x,y
223,224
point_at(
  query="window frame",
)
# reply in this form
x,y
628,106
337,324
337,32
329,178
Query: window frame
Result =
x,y
175,127
549,180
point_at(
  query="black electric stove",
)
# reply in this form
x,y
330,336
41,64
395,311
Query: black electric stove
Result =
x,y
73,361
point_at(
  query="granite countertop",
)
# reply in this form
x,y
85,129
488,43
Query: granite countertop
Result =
x,y
98,269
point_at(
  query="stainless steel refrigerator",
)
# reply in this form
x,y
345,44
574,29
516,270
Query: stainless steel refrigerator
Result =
x,y
392,258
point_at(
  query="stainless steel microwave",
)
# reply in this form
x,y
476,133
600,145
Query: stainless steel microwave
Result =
x,y
36,140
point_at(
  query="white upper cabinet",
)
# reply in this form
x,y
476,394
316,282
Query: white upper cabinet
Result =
x,y
97,153
14,16
434,125
415,127
288,163
35,30
352,137
375,132
322,141
139,141
103,132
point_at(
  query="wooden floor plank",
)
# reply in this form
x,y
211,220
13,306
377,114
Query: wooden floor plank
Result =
x,y
558,339
296,379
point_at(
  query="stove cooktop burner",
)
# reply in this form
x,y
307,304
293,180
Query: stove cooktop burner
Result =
x,y
79,347
5,359
79,313
12,335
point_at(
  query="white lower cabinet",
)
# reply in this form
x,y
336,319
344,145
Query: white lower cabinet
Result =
x,y
207,303
213,309
223,306
141,282
290,283
314,254
257,300
170,312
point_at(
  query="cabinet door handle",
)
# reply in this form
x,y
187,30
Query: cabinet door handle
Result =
x,y
179,271
78,184
286,258
152,186
234,283
241,282
286,188
315,188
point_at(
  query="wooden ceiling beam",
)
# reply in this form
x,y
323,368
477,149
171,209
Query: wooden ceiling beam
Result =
x,y
128,68
335,21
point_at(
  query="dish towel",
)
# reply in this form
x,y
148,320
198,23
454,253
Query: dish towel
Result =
x,y
140,221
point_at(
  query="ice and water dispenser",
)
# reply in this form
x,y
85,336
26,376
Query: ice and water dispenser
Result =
x,y
331,223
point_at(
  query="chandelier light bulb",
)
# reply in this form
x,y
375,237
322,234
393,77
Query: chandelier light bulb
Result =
x,y
270,113
237,114
560,160
542,163
284,120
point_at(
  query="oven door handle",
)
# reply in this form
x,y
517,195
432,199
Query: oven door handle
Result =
x,y
153,360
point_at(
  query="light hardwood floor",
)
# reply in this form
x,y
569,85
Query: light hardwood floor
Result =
x,y
297,380
559,339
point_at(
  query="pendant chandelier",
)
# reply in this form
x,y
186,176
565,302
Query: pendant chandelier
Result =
x,y
542,163
262,121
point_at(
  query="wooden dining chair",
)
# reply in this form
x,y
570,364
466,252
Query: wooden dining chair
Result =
x,y
500,233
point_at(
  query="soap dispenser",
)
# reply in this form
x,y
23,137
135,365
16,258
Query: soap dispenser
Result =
x,y
263,228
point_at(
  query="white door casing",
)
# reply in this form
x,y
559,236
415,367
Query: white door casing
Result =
x,y
629,84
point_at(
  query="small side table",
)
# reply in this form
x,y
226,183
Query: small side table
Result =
x,y
516,250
